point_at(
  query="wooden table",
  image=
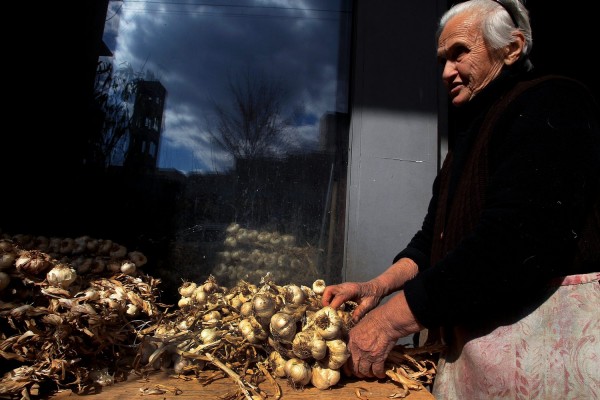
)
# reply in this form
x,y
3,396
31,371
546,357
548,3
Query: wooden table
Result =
x,y
173,388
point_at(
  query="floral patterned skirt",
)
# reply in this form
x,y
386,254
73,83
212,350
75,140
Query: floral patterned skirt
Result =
x,y
551,353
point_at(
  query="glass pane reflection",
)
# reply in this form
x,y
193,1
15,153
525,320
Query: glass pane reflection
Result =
x,y
224,126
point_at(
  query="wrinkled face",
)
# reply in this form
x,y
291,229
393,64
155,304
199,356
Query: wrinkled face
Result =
x,y
469,65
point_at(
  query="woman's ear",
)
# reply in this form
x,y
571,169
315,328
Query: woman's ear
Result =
x,y
514,50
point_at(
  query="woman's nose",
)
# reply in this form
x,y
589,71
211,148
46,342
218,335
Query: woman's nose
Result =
x,y
449,71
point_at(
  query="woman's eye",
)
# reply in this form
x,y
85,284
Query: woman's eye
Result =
x,y
459,53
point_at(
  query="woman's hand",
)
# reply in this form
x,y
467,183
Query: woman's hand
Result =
x,y
366,295
372,339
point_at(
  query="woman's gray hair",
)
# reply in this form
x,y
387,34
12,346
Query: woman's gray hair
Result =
x,y
500,19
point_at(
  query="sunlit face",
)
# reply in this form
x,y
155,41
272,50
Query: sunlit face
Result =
x,y
469,65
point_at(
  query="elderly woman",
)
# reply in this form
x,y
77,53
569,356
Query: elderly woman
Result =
x,y
506,263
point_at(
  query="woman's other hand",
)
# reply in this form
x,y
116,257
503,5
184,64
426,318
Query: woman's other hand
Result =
x,y
372,339
366,295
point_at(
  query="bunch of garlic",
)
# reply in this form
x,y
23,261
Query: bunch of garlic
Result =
x,y
84,253
249,254
305,341
308,340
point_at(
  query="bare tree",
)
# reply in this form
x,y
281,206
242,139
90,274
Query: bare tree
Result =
x,y
253,124
114,91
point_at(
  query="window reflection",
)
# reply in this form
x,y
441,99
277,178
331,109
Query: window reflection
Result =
x,y
218,140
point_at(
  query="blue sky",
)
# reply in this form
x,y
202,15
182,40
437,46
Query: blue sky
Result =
x,y
192,47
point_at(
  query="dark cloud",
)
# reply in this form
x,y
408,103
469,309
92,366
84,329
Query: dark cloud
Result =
x,y
193,47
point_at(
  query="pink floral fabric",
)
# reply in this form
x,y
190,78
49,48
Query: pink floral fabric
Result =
x,y
551,353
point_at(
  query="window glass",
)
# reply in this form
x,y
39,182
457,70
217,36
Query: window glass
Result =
x,y
223,129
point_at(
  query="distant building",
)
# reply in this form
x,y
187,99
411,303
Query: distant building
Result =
x,y
146,127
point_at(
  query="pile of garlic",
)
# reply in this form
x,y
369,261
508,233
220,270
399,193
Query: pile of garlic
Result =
x,y
250,254
83,254
283,327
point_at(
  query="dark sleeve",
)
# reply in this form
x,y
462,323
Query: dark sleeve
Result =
x,y
544,164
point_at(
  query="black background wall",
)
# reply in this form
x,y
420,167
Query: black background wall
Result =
x,y
564,39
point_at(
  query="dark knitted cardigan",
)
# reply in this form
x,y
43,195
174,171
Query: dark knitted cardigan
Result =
x,y
514,205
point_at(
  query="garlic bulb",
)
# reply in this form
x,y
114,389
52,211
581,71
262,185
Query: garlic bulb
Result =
x,y
54,244
209,335
138,258
323,378
298,371
232,228
97,265
337,354
283,326
184,302
211,318
210,286
113,266
82,266
117,251
277,364
288,240
33,262
7,260
92,245
128,268
230,241
41,243
4,280
180,363
252,331
6,245
264,305
328,323
294,294
199,296
302,343
246,309
132,310
81,244
104,246
318,347
318,287
236,302
67,245
187,289
61,275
